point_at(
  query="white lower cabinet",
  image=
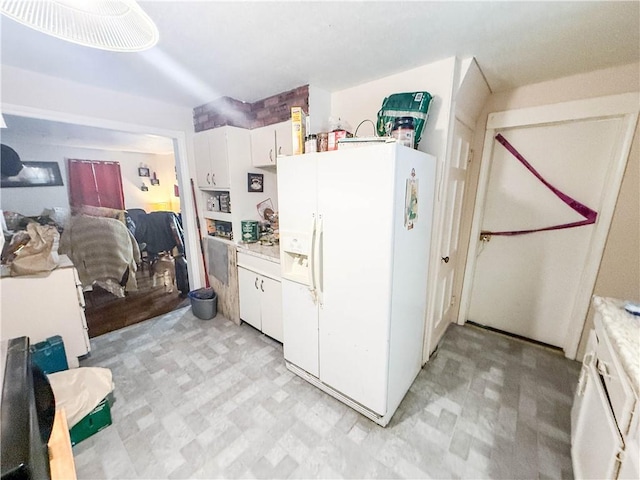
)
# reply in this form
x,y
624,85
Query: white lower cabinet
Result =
x,y
604,423
597,441
260,296
40,307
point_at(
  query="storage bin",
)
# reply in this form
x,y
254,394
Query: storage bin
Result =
x,y
98,419
49,355
204,303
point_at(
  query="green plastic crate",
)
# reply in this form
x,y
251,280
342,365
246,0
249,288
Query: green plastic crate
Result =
x,y
98,419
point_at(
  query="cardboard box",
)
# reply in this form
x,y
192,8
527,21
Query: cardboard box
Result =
x,y
298,129
98,419
335,136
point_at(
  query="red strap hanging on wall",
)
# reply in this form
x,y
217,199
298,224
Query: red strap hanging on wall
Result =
x,y
588,214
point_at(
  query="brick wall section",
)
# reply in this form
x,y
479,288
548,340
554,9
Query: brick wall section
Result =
x,y
223,111
270,110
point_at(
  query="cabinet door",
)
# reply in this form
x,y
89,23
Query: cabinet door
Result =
x,y
263,147
284,141
250,297
596,441
203,159
271,291
218,152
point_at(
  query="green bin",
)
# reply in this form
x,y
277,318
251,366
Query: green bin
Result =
x,y
98,419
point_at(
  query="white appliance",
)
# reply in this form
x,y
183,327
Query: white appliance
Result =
x,y
354,270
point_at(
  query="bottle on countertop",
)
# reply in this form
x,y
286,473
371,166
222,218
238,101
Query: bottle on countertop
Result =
x,y
311,144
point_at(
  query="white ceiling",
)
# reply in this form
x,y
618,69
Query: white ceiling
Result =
x,y
251,50
46,132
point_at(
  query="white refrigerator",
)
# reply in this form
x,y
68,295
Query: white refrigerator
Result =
x,y
355,231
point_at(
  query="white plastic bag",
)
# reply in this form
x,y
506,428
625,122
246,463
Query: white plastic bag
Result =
x,y
80,390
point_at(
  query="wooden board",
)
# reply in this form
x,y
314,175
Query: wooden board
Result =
x,y
228,296
60,453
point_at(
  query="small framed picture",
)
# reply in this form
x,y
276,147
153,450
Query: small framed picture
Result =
x,y
143,172
155,181
255,182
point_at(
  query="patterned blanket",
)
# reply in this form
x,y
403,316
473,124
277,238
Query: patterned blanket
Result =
x,y
101,249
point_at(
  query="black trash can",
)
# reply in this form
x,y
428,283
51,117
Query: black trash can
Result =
x,y
204,303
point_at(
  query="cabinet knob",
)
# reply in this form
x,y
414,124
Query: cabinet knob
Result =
x,y
213,178
271,154
445,259
255,284
262,285
208,180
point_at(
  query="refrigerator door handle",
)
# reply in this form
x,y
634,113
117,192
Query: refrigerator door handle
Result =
x,y
318,258
311,269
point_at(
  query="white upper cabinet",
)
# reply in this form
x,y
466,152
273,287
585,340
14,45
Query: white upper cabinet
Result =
x,y
211,149
284,144
269,142
263,146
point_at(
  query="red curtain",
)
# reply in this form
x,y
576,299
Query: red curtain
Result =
x,y
109,182
95,183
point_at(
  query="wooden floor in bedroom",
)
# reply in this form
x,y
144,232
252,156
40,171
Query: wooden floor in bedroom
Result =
x,y
106,312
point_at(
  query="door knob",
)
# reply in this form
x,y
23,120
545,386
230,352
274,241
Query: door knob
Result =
x,y
445,259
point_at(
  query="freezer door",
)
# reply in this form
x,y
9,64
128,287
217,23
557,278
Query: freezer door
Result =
x,y
300,326
297,203
296,194
355,219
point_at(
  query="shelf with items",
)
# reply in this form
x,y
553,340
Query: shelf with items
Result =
x,y
217,201
219,228
237,200
227,217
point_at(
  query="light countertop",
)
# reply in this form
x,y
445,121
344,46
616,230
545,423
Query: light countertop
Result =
x,y
267,252
63,262
623,329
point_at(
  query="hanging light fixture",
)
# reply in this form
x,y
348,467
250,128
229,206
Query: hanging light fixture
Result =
x,y
115,25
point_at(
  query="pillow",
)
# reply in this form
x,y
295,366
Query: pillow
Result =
x,y
99,212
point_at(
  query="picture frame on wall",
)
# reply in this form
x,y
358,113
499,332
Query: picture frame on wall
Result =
x,y
255,182
143,172
35,174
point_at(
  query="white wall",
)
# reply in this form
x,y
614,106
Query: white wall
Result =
x,y
362,102
32,200
31,94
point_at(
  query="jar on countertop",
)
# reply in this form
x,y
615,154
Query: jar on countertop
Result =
x,y
404,131
323,141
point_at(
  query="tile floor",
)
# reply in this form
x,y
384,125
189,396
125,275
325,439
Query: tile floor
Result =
x,y
209,399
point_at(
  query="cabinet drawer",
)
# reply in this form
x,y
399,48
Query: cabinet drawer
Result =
x,y
620,394
259,265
